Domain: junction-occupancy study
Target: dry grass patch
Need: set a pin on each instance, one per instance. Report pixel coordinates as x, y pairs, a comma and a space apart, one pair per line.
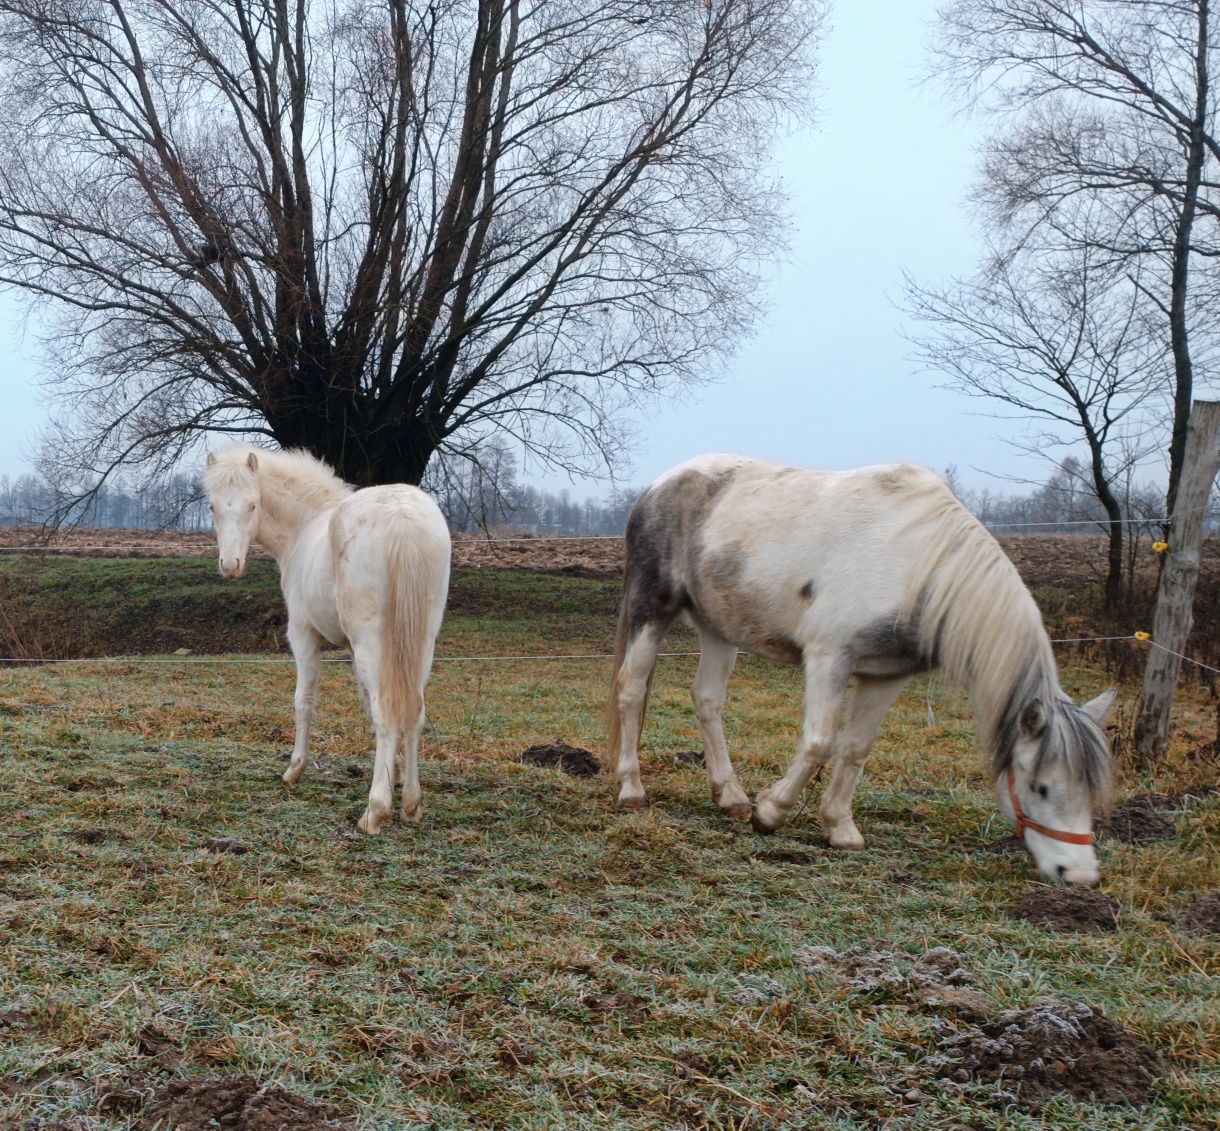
529, 956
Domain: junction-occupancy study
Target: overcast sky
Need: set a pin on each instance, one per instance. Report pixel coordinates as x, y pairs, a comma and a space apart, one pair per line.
878, 186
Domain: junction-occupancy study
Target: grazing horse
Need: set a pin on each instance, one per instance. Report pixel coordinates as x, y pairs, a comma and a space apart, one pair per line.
878, 573
366, 568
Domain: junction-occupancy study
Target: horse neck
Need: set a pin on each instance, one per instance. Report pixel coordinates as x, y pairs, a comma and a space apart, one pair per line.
1016, 667
987, 633
287, 507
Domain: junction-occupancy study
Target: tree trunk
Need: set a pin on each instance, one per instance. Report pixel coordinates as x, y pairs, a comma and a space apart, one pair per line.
1175, 593
1179, 334
1105, 495
1114, 570
1114, 513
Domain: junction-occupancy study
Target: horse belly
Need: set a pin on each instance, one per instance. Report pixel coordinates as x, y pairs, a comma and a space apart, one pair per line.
760, 622
309, 585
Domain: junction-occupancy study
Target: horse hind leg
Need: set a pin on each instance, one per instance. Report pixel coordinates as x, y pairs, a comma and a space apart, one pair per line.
388, 740
381, 793
717, 658
630, 696
408, 768
869, 703
826, 678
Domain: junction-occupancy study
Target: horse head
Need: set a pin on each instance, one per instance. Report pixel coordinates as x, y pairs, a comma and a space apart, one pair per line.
235, 496
1058, 771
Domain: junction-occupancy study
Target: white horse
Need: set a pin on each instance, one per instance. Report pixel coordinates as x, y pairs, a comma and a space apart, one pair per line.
366, 568
878, 573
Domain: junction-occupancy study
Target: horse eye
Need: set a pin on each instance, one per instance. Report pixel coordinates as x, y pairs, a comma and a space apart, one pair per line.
1040, 790
253, 505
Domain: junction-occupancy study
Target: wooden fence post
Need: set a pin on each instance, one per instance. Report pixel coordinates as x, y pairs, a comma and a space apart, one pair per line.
1176, 592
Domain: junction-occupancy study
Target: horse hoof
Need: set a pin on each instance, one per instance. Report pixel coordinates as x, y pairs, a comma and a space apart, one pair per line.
842, 834
414, 816
291, 776
851, 842
741, 812
767, 816
630, 804
371, 827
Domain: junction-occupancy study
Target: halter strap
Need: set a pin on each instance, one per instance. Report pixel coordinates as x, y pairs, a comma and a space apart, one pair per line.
1023, 822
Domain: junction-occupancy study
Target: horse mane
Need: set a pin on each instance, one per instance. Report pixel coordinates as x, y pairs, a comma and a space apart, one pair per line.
977, 619
297, 481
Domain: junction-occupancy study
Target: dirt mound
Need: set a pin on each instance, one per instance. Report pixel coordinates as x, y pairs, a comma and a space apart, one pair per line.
238, 1103
1176, 802
1069, 909
1136, 820
1003, 846
935, 980
1204, 914
570, 759
221, 844
1053, 1047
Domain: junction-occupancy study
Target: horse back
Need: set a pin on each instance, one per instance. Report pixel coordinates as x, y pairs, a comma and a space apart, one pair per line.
771, 558
370, 523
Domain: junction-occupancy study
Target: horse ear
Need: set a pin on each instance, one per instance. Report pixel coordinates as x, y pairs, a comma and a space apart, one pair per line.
1033, 718
1099, 709
211, 458
252, 462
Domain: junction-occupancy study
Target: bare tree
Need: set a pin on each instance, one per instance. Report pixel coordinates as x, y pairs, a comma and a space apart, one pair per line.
377, 229
1111, 114
1060, 340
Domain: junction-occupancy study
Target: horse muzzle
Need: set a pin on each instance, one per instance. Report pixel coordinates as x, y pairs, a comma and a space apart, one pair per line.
1085, 874
232, 568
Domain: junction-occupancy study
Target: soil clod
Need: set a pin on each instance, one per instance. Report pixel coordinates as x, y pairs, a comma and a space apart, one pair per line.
1003, 846
1204, 914
570, 759
1053, 1047
239, 1103
152, 1042
1136, 820
935, 981
1068, 909
221, 844
690, 757
757, 989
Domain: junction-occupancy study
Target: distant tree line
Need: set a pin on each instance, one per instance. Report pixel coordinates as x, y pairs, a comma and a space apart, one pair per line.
173, 503
484, 494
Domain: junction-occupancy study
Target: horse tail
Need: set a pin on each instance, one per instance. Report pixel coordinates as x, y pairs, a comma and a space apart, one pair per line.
417, 567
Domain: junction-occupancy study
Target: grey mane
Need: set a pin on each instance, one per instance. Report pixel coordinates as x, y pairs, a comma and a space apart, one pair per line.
1070, 736
978, 620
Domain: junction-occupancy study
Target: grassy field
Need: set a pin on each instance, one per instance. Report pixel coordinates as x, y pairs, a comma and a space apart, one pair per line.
528, 956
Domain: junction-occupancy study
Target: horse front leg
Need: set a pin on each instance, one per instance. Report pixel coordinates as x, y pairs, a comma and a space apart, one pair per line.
306, 648
717, 658
826, 678
869, 703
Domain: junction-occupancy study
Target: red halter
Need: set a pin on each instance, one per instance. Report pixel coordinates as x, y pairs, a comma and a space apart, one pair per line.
1023, 822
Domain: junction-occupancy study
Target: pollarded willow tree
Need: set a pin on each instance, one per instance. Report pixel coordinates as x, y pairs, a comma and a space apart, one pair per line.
379, 229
